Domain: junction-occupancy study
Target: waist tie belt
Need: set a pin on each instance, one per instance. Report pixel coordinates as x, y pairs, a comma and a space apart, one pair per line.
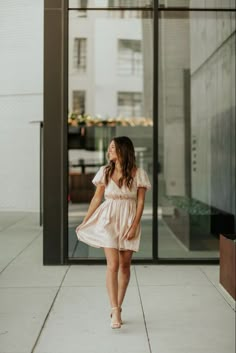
120, 197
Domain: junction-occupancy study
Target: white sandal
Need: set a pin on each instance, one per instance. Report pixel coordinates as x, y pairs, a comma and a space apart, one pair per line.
115, 324
121, 321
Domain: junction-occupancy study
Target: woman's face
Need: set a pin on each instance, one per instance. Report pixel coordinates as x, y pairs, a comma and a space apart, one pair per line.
112, 152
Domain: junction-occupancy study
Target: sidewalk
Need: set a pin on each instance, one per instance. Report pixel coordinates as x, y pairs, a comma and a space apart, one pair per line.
64, 309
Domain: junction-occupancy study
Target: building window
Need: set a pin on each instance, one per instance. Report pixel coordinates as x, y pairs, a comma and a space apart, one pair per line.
80, 53
130, 61
82, 4
130, 104
79, 102
128, 3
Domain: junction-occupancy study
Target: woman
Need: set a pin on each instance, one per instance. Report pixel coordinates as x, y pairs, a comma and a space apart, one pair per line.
115, 223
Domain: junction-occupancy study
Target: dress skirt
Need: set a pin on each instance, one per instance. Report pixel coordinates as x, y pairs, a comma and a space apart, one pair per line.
110, 222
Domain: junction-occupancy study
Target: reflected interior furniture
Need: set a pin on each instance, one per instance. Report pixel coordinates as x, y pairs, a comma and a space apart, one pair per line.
90, 138
96, 138
76, 137
198, 225
83, 166
228, 263
81, 189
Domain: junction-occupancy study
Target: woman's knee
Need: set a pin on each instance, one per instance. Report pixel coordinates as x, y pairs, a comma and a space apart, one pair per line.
113, 266
125, 267
112, 257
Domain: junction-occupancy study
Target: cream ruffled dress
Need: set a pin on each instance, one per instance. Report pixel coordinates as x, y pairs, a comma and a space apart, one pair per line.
112, 219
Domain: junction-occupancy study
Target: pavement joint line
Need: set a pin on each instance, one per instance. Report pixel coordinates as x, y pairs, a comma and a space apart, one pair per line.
28, 287
144, 318
12, 224
49, 311
9, 263
217, 289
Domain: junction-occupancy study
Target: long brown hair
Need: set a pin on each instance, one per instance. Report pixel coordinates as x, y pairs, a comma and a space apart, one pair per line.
125, 152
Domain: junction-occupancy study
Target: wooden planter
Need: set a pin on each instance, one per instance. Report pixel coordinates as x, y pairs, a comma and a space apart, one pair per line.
228, 264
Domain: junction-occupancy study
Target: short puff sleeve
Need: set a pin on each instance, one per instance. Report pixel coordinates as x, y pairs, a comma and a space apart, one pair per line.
142, 179
99, 178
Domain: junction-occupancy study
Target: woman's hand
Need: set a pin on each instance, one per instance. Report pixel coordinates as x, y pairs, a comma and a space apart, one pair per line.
79, 226
95, 202
130, 234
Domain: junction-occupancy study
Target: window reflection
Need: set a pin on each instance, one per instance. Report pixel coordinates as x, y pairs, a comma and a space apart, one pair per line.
80, 54
79, 102
109, 3
130, 61
196, 132
110, 94
129, 104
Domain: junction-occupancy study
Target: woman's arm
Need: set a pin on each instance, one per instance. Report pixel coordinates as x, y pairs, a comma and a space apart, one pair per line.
139, 211
95, 202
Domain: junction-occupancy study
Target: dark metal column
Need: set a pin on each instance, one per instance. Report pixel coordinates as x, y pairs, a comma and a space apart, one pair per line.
40, 123
155, 132
55, 132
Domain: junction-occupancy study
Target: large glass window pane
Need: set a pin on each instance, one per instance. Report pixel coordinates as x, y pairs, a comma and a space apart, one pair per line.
196, 132
110, 94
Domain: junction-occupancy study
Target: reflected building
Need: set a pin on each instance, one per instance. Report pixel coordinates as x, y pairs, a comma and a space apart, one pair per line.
110, 78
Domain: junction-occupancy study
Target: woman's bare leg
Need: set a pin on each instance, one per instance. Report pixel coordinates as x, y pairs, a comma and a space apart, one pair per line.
124, 274
112, 257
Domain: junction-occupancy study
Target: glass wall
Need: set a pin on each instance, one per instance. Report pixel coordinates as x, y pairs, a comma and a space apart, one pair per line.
110, 94
196, 124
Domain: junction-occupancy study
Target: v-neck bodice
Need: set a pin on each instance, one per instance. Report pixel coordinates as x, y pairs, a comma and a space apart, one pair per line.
112, 190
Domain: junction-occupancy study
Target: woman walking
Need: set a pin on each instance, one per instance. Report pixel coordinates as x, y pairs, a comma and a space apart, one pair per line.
114, 224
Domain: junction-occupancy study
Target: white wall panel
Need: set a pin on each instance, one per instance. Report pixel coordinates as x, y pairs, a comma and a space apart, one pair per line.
21, 101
